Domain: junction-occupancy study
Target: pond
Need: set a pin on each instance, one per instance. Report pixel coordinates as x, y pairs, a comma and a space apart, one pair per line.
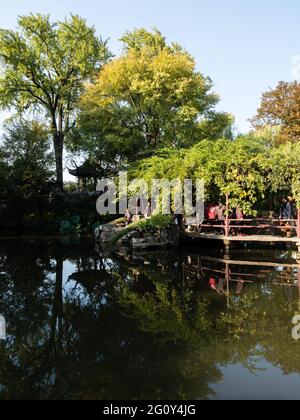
80, 322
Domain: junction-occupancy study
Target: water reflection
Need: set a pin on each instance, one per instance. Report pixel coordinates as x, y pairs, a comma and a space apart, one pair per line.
91, 325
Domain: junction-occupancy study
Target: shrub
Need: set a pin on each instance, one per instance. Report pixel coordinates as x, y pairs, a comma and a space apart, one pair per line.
146, 225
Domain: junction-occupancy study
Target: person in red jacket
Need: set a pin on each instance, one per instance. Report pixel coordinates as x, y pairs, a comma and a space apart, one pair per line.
211, 212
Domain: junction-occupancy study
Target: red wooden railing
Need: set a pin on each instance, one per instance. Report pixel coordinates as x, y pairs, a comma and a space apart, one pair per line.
258, 223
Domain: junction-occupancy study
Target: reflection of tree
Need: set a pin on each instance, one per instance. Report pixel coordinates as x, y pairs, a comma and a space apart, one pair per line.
260, 325
129, 330
165, 313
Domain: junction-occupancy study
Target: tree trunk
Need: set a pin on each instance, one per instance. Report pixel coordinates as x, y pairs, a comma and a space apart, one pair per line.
58, 140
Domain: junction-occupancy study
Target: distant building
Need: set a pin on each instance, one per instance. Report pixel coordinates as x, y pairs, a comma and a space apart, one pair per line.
84, 173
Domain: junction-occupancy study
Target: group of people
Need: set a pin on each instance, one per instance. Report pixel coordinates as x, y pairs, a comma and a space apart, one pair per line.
287, 215
219, 285
218, 212
287, 209
130, 218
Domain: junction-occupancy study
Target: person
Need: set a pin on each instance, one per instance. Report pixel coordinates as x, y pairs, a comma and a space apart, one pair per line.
287, 214
221, 216
147, 211
239, 214
221, 212
128, 217
240, 285
239, 217
290, 209
212, 283
212, 212
283, 209
221, 287
290, 215
178, 220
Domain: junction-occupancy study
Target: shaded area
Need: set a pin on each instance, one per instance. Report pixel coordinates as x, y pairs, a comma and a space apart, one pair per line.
84, 324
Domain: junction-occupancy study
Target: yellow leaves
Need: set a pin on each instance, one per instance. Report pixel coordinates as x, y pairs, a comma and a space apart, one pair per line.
142, 73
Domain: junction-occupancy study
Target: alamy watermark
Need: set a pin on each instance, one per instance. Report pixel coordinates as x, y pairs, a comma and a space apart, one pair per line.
161, 195
296, 329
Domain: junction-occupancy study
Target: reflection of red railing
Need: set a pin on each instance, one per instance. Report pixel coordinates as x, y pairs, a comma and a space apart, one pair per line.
242, 278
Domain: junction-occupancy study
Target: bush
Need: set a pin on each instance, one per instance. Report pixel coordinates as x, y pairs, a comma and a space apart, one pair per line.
146, 225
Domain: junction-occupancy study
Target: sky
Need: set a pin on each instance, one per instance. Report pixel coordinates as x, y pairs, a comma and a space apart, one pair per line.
245, 47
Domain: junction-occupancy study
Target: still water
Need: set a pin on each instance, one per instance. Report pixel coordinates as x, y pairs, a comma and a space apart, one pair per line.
83, 323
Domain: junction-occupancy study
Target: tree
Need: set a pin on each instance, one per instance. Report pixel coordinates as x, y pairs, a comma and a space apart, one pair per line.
280, 109
151, 97
27, 156
234, 167
46, 65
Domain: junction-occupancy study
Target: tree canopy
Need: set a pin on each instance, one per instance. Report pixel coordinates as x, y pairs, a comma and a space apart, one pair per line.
150, 97
280, 109
46, 65
150, 110
26, 156
247, 168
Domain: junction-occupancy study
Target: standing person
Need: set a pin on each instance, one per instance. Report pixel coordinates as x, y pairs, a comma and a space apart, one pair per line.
290, 208
283, 209
221, 212
290, 215
221, 215
239, 215
212, 283
178, 220
148, 211
128, 217
240, 285
212, 212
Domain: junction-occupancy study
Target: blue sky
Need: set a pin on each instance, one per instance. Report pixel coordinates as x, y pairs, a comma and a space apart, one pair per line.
244, 46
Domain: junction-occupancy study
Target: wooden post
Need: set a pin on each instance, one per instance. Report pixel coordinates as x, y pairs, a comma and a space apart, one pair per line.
299, 284
227, 217
227, 228
298, 225
298, 234
227, 276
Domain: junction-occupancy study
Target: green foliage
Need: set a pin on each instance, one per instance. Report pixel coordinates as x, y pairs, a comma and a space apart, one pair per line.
46, 65
26, 154
246, 168
234, 167
171, 318
152, 225
150, 97
157, 222
71, 226
284, 171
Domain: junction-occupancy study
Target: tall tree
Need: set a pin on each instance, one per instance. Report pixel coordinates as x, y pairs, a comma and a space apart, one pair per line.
152, 96
280, 109
46, 65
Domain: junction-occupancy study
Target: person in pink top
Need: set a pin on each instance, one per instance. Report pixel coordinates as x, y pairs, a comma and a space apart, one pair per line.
240, 217
211, 212
239, 214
